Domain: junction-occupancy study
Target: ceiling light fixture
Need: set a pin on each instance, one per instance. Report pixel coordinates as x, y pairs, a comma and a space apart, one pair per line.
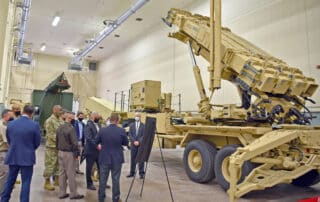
43, 47
55, 21
108, 22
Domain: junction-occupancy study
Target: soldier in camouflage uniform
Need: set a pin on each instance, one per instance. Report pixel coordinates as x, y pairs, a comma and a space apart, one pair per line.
51, 152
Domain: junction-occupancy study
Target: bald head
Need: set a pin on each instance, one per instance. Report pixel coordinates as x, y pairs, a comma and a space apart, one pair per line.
57, 110
69, 117
94, 115
16, 109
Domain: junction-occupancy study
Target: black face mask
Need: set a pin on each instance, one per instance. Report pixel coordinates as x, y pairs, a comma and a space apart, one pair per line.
72, 121
17, 113
80, 119
11, 119
96, 120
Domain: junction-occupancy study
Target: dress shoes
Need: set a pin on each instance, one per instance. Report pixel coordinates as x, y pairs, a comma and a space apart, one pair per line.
91, 187
79, 172
130, 175
64, 196
77, 197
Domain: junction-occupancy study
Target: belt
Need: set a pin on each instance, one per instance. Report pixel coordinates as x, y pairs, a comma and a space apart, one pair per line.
65, 150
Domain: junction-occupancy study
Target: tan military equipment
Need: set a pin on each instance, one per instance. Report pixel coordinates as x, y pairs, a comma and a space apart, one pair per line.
265, 141
145, 95
103, 107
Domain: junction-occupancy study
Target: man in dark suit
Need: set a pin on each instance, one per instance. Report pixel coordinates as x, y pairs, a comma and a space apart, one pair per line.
91, 152
136, 130
23, 137
111, 157
79, 127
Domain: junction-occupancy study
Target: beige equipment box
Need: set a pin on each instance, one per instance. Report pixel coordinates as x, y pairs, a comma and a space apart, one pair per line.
145, 95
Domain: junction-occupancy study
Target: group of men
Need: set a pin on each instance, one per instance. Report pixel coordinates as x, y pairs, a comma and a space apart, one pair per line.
66, 137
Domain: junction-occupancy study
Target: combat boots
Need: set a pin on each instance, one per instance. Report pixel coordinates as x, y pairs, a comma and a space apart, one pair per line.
56, 181
47, 185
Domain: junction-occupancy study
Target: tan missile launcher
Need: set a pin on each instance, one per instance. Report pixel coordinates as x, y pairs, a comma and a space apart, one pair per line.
267, 140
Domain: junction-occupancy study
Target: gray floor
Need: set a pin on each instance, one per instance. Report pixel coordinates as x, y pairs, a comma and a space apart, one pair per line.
156, 188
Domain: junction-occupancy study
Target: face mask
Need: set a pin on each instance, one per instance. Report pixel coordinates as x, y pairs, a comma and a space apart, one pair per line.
137, 118
96, 120
17, 113
72, 121
11, 119
80, 119
108, 123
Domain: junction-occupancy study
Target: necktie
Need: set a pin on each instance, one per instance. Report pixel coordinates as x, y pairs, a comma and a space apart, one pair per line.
137, 128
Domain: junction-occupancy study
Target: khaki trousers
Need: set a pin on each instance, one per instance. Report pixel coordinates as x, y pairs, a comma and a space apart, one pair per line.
67, 172
77, 161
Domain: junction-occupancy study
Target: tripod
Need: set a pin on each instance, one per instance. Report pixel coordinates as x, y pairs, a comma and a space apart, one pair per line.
145, 174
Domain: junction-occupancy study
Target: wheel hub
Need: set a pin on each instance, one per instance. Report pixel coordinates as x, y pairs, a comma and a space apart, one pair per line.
225, 169
195, 160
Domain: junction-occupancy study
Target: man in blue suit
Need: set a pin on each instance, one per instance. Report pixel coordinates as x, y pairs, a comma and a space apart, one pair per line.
23, 136
111, 157
136, 130
79, 127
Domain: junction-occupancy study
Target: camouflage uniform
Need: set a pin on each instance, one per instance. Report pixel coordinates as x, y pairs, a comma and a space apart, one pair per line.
4, 169
51, 152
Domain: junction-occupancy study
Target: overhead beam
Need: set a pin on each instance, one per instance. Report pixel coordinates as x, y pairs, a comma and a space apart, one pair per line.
107, 31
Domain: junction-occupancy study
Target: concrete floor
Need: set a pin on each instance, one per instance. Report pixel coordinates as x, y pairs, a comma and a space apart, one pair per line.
156, 188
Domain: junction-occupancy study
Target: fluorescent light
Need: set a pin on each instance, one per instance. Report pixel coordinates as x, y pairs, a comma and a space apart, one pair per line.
55, 21
43, 47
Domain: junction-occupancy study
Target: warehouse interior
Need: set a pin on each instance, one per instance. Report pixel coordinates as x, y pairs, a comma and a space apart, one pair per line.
140, 49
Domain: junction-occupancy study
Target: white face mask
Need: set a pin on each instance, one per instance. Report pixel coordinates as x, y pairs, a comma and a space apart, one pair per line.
108, 123
137, 118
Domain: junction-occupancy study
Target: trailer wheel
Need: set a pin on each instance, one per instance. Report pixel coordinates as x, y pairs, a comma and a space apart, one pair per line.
198, 161
221, 166
310, 178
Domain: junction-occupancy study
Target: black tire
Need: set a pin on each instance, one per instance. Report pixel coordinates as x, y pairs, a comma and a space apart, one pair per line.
223, 153
310, 178
207, 152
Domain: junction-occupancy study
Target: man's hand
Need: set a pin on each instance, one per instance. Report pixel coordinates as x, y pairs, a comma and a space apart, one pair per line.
136, 143
99, 147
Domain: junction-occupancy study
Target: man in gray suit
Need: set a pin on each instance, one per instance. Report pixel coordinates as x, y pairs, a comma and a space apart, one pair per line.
136, 130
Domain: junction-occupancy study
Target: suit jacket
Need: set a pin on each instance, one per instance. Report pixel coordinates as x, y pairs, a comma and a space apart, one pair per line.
76, 126
112, 138
90, 133
136, 136
23, 137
